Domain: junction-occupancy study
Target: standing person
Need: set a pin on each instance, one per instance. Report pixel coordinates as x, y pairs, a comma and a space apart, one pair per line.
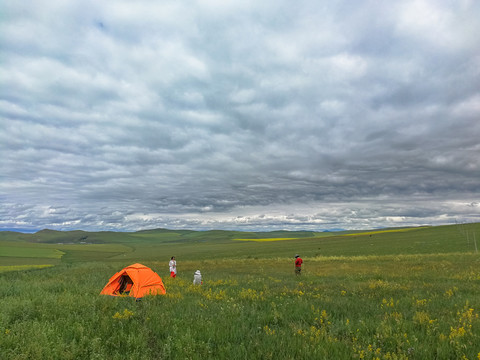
173, 267
197, 278
298, 264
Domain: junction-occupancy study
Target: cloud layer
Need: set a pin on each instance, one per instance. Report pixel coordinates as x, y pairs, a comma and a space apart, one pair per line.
239, 115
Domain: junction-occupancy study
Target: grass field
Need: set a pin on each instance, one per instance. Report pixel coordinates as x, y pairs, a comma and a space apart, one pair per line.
11, 251
390, 295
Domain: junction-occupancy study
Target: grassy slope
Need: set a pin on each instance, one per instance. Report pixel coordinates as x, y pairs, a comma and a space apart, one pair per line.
443, 239
161, 244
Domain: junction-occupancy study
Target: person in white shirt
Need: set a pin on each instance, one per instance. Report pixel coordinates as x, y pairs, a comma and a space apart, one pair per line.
173, 267
197, 278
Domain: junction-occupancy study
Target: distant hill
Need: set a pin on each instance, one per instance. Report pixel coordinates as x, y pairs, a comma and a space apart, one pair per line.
159, 235
44, 247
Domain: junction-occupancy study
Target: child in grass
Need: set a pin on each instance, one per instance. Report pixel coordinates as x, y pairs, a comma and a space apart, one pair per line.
197, 278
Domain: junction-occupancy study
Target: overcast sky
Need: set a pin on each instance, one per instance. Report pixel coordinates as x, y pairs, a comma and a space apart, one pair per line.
250, 115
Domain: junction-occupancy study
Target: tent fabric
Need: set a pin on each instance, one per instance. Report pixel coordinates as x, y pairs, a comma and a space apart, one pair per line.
145, 282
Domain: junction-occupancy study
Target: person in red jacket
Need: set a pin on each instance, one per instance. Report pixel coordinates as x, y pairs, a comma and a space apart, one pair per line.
298, 264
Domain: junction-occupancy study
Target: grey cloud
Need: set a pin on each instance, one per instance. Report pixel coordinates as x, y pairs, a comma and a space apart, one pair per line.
121, 115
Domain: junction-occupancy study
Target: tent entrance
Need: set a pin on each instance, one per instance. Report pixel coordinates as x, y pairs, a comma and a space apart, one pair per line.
125, 285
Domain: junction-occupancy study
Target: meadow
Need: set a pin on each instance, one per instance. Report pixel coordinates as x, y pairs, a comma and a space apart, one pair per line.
373, 295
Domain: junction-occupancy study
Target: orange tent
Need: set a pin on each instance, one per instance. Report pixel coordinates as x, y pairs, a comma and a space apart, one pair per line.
136, 280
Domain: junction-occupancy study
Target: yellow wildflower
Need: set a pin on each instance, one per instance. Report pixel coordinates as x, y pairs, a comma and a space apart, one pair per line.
125, 315
421, 302
268, 331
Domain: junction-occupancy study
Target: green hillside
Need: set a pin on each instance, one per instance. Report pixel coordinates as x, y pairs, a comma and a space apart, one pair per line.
160, 244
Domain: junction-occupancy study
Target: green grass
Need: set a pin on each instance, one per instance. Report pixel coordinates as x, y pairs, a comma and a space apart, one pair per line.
23, 267
390, 295
21, 252
390, 307
11, 251
376, 232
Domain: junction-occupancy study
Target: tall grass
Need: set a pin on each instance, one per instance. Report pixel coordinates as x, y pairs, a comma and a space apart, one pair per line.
378, 307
